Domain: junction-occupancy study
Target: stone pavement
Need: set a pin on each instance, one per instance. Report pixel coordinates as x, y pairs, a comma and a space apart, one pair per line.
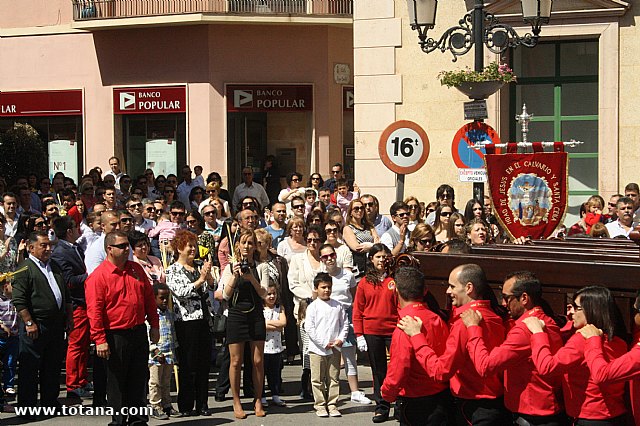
297, 412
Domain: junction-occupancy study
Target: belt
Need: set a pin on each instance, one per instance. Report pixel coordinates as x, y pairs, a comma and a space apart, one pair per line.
128, 330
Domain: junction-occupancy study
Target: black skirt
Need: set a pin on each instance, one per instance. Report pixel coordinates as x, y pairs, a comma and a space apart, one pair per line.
246, 322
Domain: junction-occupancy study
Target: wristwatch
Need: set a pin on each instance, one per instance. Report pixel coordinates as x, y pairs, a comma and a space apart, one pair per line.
28, 323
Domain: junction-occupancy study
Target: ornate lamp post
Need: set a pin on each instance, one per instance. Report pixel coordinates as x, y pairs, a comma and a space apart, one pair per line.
476, 29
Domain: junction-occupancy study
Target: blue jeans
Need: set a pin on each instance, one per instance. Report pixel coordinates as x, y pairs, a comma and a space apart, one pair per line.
9, 346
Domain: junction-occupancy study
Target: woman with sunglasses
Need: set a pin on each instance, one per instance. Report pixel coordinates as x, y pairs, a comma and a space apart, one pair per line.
456, 227
169, 193
414, 212
245, 283
158, 187
294, 189
315, 182
375, 315
422, 238
443, 213
344, 257
343, 292
587, 402
189, 283
359, 234
196, 196
294, 242
302, 270
141, 245
195, 223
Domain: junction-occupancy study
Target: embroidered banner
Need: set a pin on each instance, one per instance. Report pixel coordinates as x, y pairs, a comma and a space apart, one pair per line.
529, 191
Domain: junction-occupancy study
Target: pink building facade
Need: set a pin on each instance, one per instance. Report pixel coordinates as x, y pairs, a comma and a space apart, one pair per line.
219, 89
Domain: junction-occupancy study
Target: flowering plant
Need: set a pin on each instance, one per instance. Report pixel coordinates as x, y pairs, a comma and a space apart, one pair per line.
492, 72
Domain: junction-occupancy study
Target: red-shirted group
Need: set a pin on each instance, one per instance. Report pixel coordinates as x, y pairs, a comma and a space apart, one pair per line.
157, 277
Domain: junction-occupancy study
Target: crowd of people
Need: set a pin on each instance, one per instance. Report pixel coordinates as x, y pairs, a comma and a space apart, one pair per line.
149, 277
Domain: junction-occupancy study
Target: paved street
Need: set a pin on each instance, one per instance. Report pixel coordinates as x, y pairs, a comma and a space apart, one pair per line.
297, 412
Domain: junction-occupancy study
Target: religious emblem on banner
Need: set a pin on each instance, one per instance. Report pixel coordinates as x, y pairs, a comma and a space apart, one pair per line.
529, 191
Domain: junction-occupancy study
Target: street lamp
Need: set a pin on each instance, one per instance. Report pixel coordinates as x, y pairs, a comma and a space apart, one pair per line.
477, 28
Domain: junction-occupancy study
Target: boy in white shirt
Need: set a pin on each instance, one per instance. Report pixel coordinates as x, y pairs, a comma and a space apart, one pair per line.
327, 327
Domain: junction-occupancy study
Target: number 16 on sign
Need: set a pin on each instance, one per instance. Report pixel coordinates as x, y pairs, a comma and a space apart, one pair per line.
404, 149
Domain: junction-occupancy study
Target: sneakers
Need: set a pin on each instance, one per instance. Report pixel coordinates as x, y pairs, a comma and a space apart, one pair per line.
335, 413
78, 393
322, 412
160, 415
10, 391
360, 398
169, 411
88, 386
265, 404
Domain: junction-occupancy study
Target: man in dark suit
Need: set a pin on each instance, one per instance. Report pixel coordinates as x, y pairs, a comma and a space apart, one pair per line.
43, 303
70, 259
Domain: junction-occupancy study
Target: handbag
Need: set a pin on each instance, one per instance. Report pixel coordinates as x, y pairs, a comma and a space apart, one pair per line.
219, 323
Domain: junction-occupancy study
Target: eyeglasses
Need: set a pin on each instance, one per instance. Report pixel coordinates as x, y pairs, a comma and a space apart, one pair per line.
507, 298
209, 213
329, 256
412, 206
313, 240
135, 205
331, 230
126, 220
445, 214
177, 213
298, 206
576, 307
357, 208
120, 246
405, 214
425, 241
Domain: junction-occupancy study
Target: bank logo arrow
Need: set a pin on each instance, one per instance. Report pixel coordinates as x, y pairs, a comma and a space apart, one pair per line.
243, 98
349, 100
127, 101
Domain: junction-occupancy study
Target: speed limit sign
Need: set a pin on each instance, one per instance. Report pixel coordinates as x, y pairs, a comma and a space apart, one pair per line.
404, 147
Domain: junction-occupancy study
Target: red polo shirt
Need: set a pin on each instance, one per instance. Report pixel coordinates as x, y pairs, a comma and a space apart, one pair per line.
525, 391
583, 398
119, 299
405, 376
455, 365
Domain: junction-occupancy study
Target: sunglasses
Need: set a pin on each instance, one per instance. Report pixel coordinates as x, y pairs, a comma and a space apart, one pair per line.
120, 246
402, 214
150, 209
429, 211
445, 214
126, 220
211, 191
326, 257
425, 242
192, 222
39, 224
315, 178
357, 208
298, 206
336, 171
612, 204
313, 240
169, 191
331, 230
177, 213
210, 213
576, 307
445, 196
135, 205
413, 206
160, 181
369, 204
295, 180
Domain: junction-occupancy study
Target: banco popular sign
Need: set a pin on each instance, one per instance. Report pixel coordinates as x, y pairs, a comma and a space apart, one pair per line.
269, 98
150, 100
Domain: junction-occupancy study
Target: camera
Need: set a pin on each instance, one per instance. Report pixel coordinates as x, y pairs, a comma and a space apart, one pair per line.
244, 266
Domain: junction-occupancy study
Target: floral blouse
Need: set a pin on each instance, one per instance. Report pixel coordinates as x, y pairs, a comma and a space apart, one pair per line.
8, 256
187, 301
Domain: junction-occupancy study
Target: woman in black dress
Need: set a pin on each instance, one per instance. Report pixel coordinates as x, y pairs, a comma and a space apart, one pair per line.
245, 284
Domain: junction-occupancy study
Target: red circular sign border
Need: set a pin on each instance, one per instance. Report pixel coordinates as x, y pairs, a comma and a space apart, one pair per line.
382, 147
454, 152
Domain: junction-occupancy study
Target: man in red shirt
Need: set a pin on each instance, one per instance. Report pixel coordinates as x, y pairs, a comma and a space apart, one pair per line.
478, 400
532, 399
421, 400
119, 300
